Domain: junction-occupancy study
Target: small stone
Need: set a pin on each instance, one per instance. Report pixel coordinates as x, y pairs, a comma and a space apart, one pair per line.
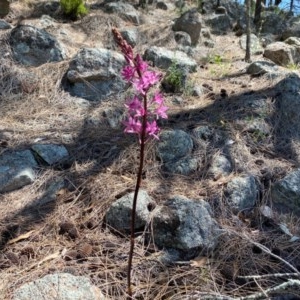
71, 255
161, 5
220, 166
197, 91
183, 38
85, 250
242, 193
62, 286
16, 170
209, 43
69, 228
51, 153
13, 258
118, 215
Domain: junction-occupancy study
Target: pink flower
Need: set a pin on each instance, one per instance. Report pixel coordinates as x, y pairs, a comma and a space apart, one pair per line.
147, 80
157, 98
151, 77
152, 129
137, 73
133, 125
128, 73
135, 106
141, 65
161, 111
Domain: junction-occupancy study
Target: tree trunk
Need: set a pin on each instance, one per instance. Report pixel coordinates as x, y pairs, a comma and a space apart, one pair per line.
257, 14
248, 28
291, 5
218, 3
4, 8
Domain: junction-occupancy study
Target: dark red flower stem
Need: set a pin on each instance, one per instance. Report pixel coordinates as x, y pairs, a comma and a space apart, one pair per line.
128, 53
136, 191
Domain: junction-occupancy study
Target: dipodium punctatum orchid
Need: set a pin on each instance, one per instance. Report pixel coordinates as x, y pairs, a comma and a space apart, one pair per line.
143, 111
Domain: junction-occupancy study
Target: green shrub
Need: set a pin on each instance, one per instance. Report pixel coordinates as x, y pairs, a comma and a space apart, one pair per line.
174, 81
74, 8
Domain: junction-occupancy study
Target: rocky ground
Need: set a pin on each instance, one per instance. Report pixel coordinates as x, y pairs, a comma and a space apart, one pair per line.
219, 206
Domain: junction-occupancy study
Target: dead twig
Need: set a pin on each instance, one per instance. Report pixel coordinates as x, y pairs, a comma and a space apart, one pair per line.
255, 296
276, 275
268, 251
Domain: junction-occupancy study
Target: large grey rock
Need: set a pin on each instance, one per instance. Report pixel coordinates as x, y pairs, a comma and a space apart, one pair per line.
125, 10
242, 193
34, 47
61, 286
164, 58
51, 153
118, 215
287, 118
173, 145
183, 166
262, 67
255, 46
94, 74
185, 225
273, 23
189, 22
219, 24
286, 193
234, 9
114, 118
293, 30
257, 126
294, 41
16, 170
281, 53
4, 24
174, 149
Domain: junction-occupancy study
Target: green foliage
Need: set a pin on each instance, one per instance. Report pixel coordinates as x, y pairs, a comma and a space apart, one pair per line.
216, 59
293, 67
73, 8
174, 79
200, 5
